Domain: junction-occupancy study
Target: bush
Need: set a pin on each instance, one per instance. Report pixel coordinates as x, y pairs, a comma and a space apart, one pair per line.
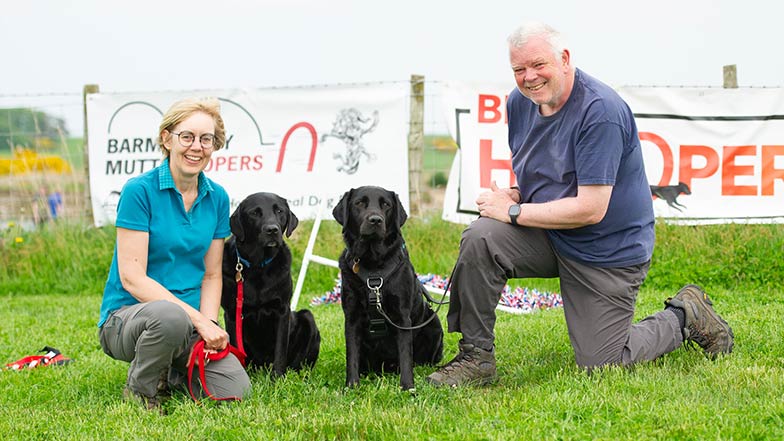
438, 180
718, 256
59, 258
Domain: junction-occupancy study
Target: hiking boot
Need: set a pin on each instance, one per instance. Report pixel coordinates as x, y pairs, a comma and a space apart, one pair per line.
163, 389
472, 365
149, 403
703, 326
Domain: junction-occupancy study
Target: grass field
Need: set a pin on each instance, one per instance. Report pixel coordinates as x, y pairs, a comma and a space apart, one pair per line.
50, 284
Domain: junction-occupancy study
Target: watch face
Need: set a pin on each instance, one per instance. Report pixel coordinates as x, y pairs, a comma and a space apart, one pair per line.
514, 211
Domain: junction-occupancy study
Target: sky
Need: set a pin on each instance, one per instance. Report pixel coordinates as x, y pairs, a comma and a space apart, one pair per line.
53, 47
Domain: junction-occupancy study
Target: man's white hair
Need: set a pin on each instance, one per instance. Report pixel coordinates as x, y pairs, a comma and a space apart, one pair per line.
522, 34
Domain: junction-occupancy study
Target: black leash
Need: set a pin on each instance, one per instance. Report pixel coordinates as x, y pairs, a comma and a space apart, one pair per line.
376, 290
374, 284
443, 296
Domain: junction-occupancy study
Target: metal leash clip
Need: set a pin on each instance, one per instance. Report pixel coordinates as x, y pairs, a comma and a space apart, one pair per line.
238, 276
376, 289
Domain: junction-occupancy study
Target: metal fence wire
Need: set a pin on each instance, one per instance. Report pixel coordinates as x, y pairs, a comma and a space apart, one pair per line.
43, 157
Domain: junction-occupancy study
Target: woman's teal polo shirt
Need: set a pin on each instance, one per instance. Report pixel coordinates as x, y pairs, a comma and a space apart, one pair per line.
178, 240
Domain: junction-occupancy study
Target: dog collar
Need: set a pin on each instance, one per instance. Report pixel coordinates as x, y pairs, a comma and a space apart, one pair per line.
355, 267
245, 263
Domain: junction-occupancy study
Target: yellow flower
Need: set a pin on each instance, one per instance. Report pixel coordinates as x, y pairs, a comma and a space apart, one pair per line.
11, 224
18, 239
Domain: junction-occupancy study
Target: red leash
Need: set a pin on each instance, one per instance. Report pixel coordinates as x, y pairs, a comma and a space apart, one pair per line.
238, 313
200, 358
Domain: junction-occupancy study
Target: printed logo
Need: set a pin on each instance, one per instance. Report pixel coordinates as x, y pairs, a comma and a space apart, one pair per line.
350, 126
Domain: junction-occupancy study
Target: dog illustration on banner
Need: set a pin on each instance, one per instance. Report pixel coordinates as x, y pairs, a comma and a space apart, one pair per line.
350, 126
670, 193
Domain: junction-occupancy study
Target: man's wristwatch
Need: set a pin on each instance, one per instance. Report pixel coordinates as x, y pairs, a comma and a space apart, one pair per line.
514, 211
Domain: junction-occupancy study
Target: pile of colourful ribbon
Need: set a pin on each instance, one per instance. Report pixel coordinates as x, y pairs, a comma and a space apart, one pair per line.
523, 298
329, 296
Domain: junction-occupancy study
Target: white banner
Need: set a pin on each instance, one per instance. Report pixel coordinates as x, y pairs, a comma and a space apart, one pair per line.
717, 153
309, 145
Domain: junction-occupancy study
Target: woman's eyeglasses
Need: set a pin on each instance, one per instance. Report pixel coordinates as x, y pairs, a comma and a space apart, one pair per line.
186, 139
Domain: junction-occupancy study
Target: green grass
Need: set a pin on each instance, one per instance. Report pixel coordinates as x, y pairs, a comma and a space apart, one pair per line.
50, 285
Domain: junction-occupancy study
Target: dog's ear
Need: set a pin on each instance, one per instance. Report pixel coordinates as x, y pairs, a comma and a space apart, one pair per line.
402, 216
292, 221
341, 210
236, 224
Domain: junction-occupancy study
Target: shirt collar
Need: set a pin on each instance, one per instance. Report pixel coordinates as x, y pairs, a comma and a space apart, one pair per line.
167, 180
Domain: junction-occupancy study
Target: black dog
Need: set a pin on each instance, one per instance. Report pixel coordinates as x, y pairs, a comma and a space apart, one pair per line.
272, 334
388, 325
670, 193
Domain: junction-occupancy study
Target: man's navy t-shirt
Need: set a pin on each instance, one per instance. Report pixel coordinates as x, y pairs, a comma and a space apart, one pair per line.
592, 140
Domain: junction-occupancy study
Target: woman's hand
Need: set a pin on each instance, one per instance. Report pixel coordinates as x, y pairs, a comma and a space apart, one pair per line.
215, 338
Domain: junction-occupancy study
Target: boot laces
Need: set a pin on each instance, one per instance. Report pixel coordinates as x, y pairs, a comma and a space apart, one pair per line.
462, 358
699, 337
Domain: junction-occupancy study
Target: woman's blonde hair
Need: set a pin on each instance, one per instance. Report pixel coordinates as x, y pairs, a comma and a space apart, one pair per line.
183, 109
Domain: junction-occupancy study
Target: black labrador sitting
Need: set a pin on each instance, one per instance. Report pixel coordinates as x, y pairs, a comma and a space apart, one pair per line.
380, 294
272, 334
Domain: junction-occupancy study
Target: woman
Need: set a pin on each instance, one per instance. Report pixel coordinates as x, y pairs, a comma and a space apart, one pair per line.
164, 286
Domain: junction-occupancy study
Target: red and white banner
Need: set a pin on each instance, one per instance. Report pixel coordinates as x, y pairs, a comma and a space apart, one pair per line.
719, 151
309, 145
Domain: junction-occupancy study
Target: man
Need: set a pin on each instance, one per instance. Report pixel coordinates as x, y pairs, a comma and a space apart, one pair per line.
582, 212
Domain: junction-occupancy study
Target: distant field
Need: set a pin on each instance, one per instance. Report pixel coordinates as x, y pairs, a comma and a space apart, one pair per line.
71, 150
437, 158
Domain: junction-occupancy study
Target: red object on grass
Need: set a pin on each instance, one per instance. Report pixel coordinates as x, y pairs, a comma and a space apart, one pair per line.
53, 357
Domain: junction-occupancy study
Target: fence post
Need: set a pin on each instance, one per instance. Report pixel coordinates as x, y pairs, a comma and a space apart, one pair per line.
416, 142
730, 76
88, 210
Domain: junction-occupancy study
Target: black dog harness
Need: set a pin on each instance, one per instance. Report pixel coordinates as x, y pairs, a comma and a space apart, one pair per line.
374, 281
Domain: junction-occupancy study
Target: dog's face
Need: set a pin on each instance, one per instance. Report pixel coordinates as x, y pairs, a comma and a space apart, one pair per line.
370, 213
683, 188
259, 222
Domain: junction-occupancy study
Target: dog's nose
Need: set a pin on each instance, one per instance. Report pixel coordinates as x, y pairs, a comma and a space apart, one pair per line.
271, 229
375, 219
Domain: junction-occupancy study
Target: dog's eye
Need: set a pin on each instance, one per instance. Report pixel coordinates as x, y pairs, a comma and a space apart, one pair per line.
278, 210
385, 204
360, 203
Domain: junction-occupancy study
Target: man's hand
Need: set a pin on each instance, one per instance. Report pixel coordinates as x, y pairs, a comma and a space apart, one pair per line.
496, 202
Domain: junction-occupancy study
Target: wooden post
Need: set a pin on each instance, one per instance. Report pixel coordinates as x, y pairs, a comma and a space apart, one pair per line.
88, 209
730, 76
416, 142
